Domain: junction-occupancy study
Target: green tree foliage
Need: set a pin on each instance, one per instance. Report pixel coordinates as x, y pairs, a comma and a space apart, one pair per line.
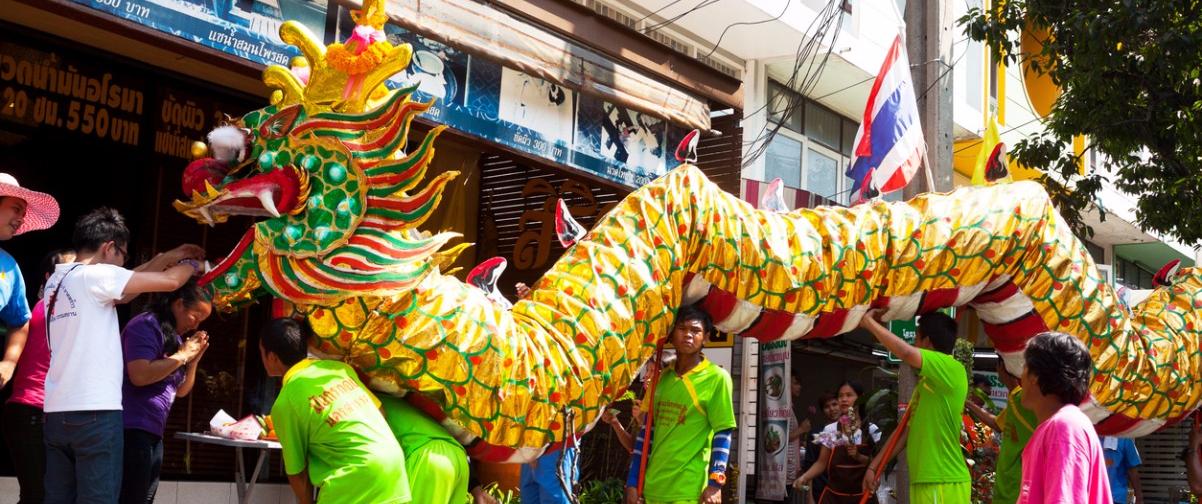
1131, 75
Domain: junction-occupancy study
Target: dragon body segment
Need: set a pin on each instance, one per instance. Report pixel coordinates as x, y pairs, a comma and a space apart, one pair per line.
341, 203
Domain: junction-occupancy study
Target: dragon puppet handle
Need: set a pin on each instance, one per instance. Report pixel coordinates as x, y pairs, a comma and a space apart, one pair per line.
339, 200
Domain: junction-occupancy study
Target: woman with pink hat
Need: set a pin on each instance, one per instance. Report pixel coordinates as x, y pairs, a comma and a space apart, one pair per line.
21, 211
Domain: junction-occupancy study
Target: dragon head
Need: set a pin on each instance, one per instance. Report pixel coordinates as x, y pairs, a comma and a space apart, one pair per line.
323, 167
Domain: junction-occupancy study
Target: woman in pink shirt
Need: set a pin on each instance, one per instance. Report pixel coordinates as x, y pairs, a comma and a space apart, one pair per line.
1063, 462
23, 411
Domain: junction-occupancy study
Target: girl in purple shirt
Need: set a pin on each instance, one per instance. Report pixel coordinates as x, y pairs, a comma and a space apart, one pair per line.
159, 366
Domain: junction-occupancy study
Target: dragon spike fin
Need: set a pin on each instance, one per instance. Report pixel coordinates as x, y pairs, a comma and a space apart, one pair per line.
403, 174
401, 211
444, 258
686, 152
567, 230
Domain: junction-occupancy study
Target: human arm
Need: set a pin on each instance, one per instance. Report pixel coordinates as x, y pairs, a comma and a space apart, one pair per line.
1133, 480
815, 470
301, 488
12, 352
719, 456
624, 438
879, 462
984, 416
906, 352
185, 388
143, 372
1193, 463
164, 273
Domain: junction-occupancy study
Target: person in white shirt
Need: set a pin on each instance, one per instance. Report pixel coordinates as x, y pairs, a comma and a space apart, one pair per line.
83, 423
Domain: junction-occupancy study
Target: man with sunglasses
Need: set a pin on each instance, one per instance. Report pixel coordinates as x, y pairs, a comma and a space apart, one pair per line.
83, 425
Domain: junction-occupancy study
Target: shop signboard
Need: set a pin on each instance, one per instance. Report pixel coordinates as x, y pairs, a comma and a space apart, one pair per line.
773, 433
247, 29
474, 95
537, 117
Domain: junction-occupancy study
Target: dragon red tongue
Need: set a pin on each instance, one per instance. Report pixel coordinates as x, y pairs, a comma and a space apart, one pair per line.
200, 171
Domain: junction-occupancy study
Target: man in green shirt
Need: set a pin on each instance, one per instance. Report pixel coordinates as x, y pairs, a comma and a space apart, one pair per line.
333, 435
1016, 423
431, 454
938, 472
693, 421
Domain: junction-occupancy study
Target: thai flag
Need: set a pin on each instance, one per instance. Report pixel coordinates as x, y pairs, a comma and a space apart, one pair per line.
889, 145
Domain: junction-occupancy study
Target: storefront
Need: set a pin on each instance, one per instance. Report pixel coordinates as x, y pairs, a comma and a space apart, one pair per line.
103, 100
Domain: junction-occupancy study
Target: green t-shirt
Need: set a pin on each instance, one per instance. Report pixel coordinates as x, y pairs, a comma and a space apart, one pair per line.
684, 427
330, 424
933, 448
410, 426
1017, 424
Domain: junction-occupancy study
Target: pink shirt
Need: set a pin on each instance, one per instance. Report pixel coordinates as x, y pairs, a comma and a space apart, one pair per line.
1063, 462
30, 377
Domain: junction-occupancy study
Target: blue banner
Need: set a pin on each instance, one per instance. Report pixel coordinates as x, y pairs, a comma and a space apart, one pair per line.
537, 117
247, 29
474, 95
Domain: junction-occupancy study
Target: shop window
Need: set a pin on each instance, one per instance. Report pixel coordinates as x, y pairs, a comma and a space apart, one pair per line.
823, 125
784, 106
783, 159
822, 175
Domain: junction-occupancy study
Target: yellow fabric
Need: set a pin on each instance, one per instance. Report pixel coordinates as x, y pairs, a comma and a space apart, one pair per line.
460, 200
988, 144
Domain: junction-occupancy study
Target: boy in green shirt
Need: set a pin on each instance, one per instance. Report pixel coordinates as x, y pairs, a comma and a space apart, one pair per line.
431, 454
938, 472
1016, 423
333, 435
693, 421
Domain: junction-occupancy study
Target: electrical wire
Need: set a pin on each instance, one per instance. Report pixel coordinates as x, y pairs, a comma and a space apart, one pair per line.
745, 23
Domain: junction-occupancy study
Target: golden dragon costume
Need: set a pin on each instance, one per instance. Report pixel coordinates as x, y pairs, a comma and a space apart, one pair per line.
341, 208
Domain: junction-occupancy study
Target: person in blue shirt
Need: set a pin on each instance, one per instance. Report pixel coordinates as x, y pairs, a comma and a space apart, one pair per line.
21, 211
1122, 462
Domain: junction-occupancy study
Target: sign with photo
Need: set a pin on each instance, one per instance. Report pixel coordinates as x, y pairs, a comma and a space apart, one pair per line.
777, 410
247, 29
485, 99
473, 95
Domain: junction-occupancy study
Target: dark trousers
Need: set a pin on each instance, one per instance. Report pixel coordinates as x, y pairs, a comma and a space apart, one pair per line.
23, 436
143, 460
83, 456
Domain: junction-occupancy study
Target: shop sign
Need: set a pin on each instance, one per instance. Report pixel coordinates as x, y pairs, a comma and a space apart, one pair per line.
47, 88
773, 433
537, 117
248, 30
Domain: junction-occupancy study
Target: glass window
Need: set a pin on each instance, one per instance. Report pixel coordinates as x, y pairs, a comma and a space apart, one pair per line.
822, 175
849, 138
823, 125
779, 100
783, 159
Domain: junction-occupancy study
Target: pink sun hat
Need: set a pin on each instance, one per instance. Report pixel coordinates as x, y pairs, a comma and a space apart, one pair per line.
41, 209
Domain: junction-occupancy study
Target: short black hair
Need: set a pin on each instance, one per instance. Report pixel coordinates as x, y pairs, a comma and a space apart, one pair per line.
288, 339
1061, 365
825, 398
98, 226
940, 329
693, 312
979, 379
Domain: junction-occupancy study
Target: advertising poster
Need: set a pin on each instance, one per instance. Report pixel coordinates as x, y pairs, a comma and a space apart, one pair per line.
247, 29
776, 410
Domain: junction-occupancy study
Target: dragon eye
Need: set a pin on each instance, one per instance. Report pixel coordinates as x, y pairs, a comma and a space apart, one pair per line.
280, 124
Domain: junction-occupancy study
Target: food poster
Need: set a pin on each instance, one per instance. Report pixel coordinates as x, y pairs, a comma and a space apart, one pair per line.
773, 432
